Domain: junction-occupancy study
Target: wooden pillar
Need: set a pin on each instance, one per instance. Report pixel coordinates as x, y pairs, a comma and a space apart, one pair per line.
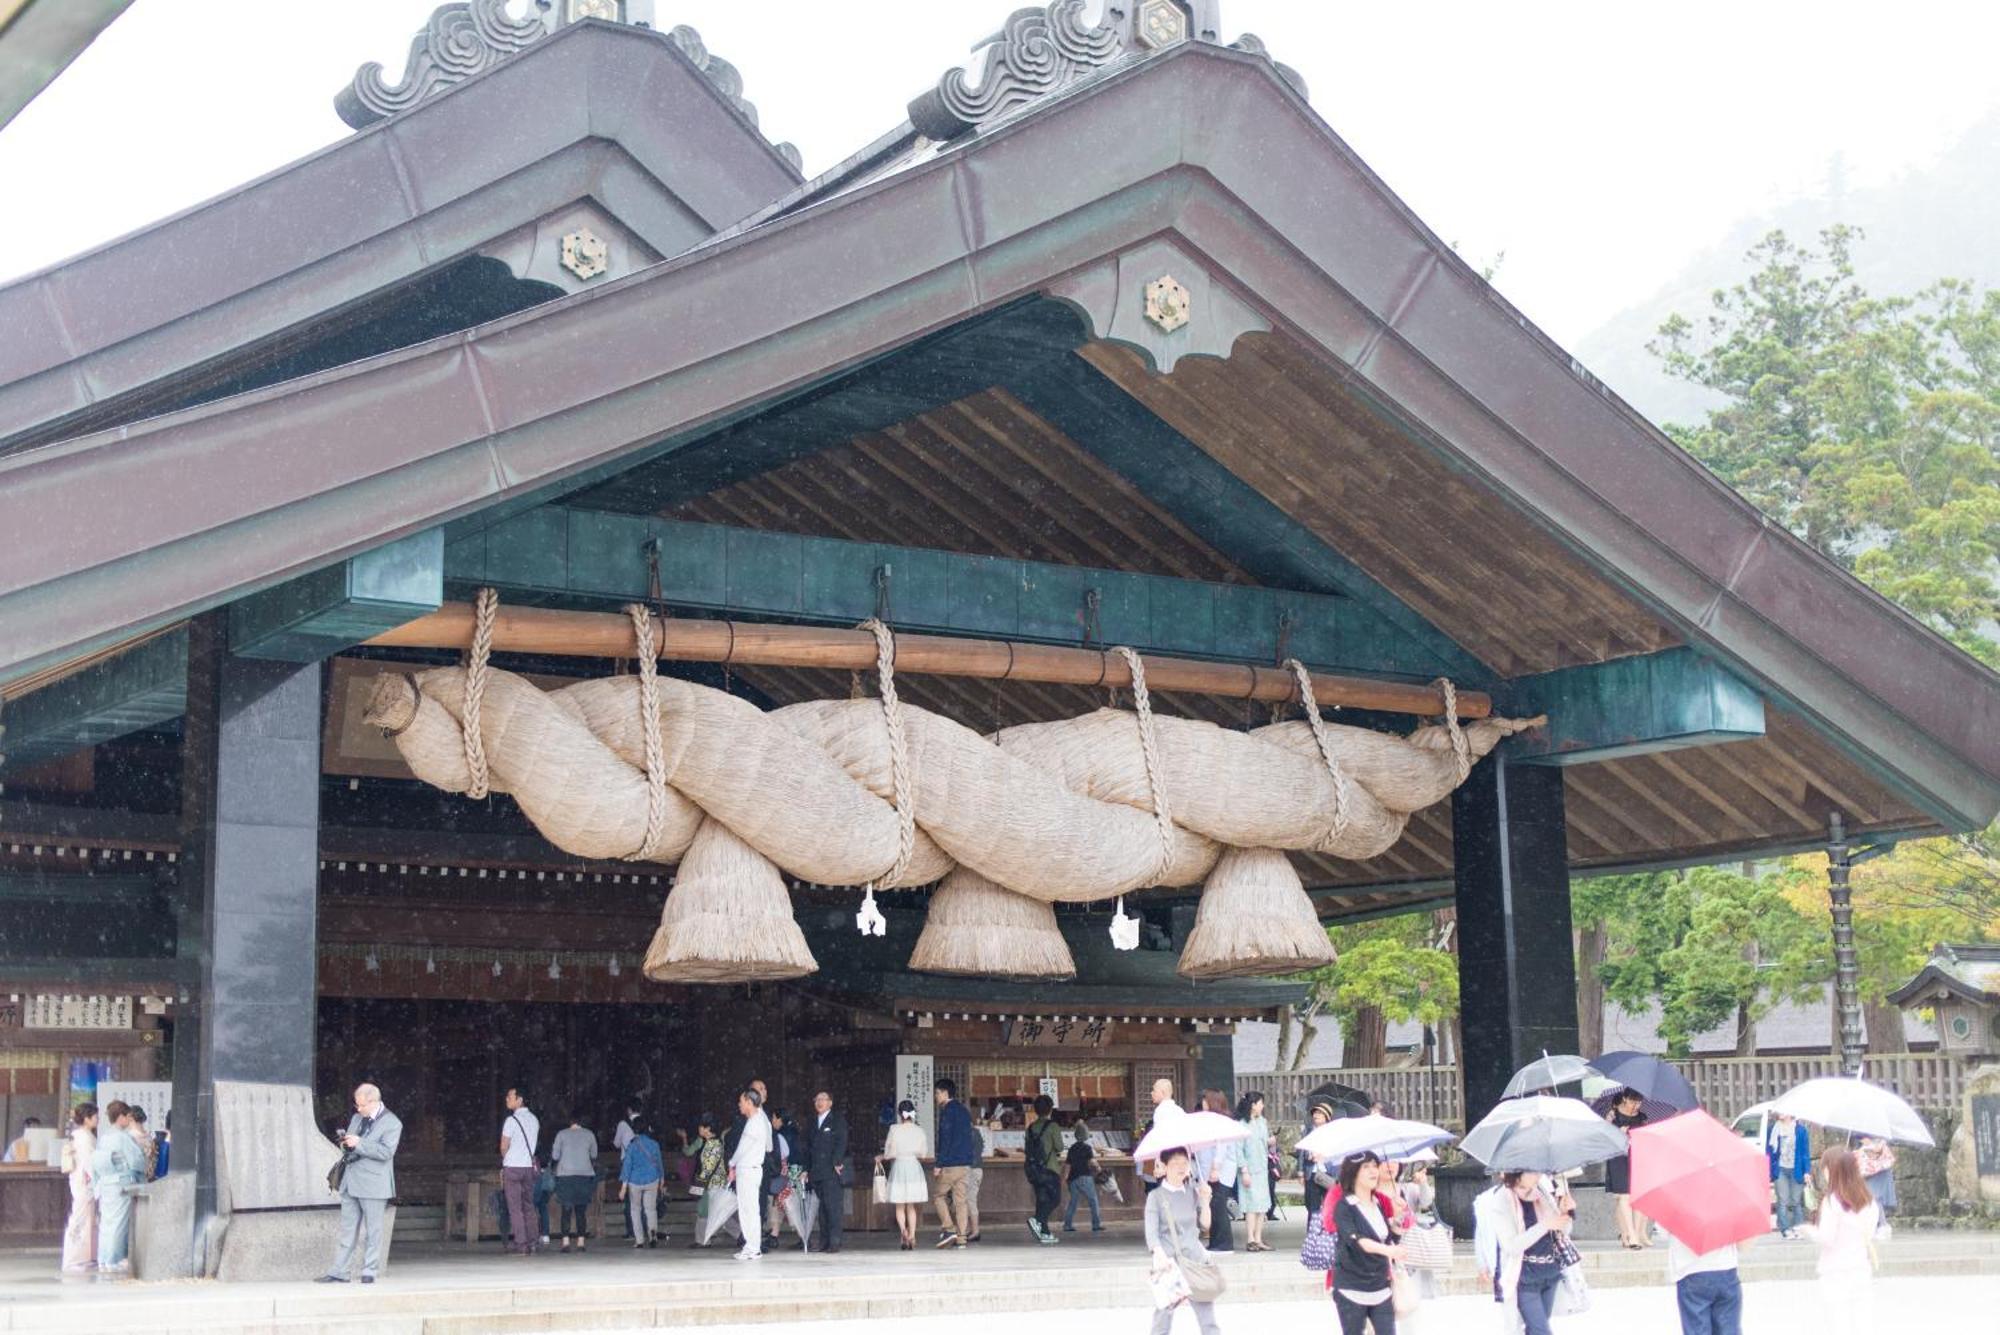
1516, 966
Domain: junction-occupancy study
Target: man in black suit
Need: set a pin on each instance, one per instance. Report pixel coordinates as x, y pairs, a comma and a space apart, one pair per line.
826, 1168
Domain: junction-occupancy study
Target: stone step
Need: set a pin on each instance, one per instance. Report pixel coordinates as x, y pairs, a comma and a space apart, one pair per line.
783, 1288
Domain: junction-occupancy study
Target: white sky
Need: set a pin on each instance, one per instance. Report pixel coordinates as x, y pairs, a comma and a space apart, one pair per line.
1598, 145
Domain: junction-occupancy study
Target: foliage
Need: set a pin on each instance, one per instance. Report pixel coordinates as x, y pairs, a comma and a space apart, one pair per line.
1869, 426
1709, 945
1391, 967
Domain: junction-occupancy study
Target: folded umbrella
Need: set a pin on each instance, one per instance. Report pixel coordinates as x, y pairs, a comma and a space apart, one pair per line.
1700, 1181
1385, 1136
1187, 1131
1543, 1134
1546, 1072
721, 1211
1853, 1104
1660, 1084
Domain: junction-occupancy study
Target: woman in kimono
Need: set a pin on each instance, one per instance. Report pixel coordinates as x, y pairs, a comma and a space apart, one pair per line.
117, 1166
1253, 1191
80, 1238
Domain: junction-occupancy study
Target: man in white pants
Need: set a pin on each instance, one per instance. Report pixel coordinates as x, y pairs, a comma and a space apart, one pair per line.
746, 1173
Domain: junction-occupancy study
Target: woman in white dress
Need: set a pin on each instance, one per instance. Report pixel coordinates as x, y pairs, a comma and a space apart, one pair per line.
1845, 1231
904, 1152
80, 1238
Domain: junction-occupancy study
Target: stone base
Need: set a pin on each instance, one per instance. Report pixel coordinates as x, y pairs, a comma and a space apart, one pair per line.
163, 1228
288, 1244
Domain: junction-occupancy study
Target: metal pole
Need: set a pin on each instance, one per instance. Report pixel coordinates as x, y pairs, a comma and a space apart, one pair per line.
1846, 963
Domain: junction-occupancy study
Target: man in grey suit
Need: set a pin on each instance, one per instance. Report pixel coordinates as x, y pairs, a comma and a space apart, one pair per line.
371, 1141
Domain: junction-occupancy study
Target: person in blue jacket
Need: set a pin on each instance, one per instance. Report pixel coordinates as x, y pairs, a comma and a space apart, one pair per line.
1788, 1149
956, 1155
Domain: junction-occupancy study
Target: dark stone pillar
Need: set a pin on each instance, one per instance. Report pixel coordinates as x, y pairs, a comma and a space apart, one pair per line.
249, 877
1516, 962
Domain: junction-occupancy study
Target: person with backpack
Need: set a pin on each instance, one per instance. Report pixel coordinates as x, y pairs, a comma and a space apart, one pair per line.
1044, 1167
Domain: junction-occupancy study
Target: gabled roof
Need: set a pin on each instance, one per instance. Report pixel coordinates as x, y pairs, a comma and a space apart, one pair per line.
183, 512
1971, 973
38, 40
622, 117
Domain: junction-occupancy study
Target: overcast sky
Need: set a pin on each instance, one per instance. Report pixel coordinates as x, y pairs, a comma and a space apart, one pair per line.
1597, 145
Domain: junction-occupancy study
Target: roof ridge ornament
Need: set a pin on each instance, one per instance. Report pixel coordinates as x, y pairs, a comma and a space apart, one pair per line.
1040, 50
468, 37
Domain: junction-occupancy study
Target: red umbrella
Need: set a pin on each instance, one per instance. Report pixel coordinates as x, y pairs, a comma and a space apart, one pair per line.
1705, 1185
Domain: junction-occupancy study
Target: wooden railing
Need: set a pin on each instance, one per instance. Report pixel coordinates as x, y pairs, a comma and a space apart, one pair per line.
1726, 1085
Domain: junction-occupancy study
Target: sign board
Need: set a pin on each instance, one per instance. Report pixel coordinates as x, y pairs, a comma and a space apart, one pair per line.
155, 1096
1056, 1033
1986, 1133
1048, 1085
916, 1077
49, 1011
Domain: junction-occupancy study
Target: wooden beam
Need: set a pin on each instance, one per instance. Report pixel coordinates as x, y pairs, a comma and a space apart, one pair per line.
316, 616
537, 630
596, 557
1631, 706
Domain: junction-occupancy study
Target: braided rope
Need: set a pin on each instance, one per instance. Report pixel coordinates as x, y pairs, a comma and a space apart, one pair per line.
649, 729
899, 749
1318, 724
1142, 703
484, 609
1460, 749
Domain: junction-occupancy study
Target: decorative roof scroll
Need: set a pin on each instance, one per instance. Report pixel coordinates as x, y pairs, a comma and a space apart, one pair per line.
1041, 50
470, 36
459, 41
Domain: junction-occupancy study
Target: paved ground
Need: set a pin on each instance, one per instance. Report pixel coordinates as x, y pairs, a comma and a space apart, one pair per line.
1945, 1304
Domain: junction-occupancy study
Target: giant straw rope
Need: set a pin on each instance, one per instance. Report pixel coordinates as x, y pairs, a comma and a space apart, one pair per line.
883, 794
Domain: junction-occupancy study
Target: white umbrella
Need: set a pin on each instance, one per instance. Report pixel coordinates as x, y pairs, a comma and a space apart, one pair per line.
721, 1213
1376, 1134
1546, 1072
1188, 1131
1853, 1104
1544, 1134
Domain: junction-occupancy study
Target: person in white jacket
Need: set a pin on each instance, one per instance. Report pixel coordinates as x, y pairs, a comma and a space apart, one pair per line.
1506, 1245
746, 1173
1845, 1232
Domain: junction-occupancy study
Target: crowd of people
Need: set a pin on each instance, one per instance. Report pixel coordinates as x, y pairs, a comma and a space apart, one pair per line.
107, 1152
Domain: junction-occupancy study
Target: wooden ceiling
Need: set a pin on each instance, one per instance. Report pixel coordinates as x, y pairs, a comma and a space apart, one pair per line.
987, 475
1431, 534
982, 475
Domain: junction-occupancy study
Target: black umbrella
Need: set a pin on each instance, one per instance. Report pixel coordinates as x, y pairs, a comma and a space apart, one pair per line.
1663, 1088
1345, 1100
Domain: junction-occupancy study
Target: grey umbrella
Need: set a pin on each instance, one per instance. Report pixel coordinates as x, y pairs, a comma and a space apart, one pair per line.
1546, 1135
1546, 1072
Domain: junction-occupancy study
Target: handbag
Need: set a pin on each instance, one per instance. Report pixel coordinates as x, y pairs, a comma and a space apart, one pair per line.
1316, 1252
338, 1173
1428, 1248
1403, 1290
881, 1187
1203, 1277
1572, 1295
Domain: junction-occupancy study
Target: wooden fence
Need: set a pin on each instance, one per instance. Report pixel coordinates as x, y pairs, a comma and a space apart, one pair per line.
1726, 1085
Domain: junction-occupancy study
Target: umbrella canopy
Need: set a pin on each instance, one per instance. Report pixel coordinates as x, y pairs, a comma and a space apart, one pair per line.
1704, 1184
1853, 1104
1546, 1072
1386, 1136
1345, 1100
1547, 1135
1188, 1131
1658, 1083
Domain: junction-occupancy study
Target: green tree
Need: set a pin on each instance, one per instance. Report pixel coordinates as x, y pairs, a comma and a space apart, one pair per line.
1710, 946
1389, 970
1869, 426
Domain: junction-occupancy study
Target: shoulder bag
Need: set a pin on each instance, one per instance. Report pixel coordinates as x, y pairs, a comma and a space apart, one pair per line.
338, 1173
1316, 1252
1203, 1277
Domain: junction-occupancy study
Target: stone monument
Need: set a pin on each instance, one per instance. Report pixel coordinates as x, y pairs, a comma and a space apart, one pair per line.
1972, 1168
